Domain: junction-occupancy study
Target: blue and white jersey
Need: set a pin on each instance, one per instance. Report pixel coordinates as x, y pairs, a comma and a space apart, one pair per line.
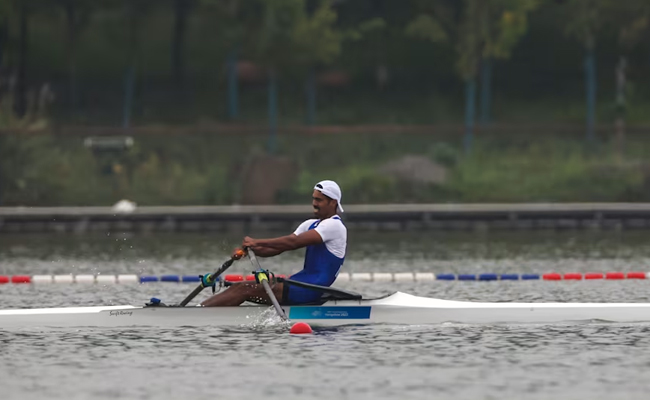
324, 260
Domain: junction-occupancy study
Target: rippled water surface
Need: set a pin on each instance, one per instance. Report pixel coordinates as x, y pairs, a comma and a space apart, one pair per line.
578, 361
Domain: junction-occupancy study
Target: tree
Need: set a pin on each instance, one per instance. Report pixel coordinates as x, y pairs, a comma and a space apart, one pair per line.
135, 12
230, 20
506, 22
374, 32
585, 19
317, 43
377, 27
480, 30
182, 9
631, 20
77, 15
287, 37
20, 89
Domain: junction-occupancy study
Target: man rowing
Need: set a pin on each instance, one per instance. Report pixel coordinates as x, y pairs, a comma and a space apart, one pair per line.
325, 238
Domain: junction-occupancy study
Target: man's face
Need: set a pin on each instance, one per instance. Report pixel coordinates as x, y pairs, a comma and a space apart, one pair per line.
323, 205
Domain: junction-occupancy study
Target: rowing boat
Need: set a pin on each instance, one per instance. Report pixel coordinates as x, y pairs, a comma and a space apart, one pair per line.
397, 308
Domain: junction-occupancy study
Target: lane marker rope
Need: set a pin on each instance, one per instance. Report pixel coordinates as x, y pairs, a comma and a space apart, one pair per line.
342, 277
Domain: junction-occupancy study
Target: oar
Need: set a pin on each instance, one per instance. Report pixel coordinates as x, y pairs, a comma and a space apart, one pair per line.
212, 277
262, 277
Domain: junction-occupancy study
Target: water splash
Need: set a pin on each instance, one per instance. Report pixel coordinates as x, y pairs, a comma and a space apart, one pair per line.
268, 318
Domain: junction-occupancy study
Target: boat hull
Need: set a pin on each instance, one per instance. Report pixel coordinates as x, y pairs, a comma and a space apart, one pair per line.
398, 308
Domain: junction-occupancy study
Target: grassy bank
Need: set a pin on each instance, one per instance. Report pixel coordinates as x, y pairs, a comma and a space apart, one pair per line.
205, 169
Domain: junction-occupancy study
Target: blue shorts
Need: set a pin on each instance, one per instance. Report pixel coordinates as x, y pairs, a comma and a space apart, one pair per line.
294, 295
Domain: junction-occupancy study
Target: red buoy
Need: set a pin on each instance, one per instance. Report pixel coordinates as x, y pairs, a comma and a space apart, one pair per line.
614, 275
4, 279
552, 277
300, 328
593, 275
234, 278
636, 275
572, 275
21, 279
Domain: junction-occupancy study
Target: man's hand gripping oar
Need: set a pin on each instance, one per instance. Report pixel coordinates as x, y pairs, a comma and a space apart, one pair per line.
262, 277
210, 280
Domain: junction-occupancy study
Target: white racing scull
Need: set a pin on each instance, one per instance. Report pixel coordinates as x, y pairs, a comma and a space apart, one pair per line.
398, 308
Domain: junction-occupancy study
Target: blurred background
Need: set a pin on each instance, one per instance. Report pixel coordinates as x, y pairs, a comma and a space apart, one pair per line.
194, 102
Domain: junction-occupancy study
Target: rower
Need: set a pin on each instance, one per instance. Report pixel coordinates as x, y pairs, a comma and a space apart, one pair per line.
325, 238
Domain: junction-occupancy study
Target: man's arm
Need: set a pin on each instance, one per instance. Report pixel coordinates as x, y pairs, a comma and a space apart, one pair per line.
275, 246
265, 251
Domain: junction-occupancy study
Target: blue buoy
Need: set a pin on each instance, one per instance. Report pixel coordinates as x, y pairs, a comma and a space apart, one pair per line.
170, 278
529, 276
144, 279
466, 277
487, 277
191, 278
446, 277
509, 277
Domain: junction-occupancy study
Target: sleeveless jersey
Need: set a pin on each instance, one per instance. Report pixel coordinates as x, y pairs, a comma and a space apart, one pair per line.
323, 261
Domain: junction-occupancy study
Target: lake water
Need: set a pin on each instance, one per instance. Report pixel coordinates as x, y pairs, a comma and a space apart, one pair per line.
567, 361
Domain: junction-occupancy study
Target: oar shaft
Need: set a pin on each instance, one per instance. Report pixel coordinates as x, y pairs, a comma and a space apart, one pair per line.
215, 275
192, 295
267, 286
275, 302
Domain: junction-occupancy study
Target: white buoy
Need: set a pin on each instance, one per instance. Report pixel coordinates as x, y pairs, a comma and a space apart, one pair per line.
124, 207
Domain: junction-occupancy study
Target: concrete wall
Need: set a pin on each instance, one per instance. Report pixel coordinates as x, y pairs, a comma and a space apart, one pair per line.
357, 217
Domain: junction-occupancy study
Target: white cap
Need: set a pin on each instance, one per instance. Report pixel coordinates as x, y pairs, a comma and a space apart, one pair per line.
332, 190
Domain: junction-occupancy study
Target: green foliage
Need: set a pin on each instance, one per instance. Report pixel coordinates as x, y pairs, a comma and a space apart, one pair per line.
482, 29
227, 20
631, 19
471, 31
630, 34
35, 170
543, 172
372, 25
445, 154
584, 19
285, 35
203, 169
419, 83
490, 29
426, 27
508, 23
316, 38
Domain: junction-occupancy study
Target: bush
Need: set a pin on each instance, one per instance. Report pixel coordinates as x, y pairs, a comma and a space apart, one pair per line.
202, 169
445, 154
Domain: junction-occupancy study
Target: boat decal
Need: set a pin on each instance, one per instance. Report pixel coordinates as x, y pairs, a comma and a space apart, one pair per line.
119, 313
323, 312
